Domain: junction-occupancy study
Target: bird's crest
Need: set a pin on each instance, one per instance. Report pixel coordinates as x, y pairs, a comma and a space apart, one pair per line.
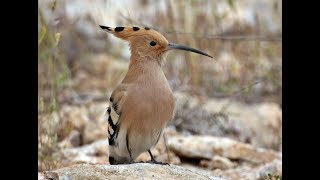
147, 42
127, 32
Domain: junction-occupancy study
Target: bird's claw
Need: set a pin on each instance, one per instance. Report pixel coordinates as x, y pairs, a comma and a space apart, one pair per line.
156, 162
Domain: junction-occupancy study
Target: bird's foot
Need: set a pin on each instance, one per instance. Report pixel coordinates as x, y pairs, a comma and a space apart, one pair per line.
157, 162
153, 161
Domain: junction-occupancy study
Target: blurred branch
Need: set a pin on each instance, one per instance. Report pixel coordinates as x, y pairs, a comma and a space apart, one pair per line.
228, 37
245, 88
210, 36
165, 143
234, 94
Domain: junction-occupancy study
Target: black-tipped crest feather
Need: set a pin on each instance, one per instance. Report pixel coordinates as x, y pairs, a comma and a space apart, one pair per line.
118, 29
105, 28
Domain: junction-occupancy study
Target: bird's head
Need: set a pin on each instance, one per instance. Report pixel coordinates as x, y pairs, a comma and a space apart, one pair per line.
146, 43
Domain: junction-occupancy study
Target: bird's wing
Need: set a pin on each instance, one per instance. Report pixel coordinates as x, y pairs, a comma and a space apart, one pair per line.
114, 112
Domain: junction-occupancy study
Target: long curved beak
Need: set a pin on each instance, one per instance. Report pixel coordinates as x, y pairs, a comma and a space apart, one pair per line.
186, 48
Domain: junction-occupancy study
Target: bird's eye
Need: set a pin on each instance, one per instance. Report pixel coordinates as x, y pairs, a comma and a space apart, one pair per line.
152, 43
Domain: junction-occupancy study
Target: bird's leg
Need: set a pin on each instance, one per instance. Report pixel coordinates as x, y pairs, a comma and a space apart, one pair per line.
130, 156
153, 161
130, 159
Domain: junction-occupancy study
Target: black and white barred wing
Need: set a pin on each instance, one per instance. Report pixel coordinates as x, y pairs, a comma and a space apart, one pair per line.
114, 114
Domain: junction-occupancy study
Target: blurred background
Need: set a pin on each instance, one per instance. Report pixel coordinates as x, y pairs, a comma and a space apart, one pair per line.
237, 95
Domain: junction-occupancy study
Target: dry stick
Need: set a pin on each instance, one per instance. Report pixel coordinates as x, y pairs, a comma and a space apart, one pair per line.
165, 144
234, 94
228, 37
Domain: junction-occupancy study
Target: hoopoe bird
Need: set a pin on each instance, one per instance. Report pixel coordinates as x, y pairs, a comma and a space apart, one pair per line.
143, 103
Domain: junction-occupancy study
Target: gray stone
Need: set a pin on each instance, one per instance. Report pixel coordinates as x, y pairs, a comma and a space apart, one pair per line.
206, 147
129, 171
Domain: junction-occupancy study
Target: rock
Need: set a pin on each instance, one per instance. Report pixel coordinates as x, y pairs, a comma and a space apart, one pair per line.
130, 171
262, 123
198, 169
88, 119
245, 171
241, 172
47, 175
95, 153
73, 117
218, 162
273, 168
41, 176
257, 124
196, 120
73, 140
173, 158
206, 147
62, 123
98, 147
94, 131
97, 127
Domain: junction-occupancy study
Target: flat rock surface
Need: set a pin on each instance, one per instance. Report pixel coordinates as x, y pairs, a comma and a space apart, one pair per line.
208, 146
130, 171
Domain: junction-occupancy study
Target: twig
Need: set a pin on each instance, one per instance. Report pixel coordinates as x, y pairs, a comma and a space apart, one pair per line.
165, 144
234, 94
230, 38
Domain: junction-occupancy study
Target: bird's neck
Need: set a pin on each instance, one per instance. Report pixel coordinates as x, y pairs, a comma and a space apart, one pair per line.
141, 58
143, 69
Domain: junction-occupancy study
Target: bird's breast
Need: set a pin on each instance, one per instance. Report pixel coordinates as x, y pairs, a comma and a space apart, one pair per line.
149, 102
157, 98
